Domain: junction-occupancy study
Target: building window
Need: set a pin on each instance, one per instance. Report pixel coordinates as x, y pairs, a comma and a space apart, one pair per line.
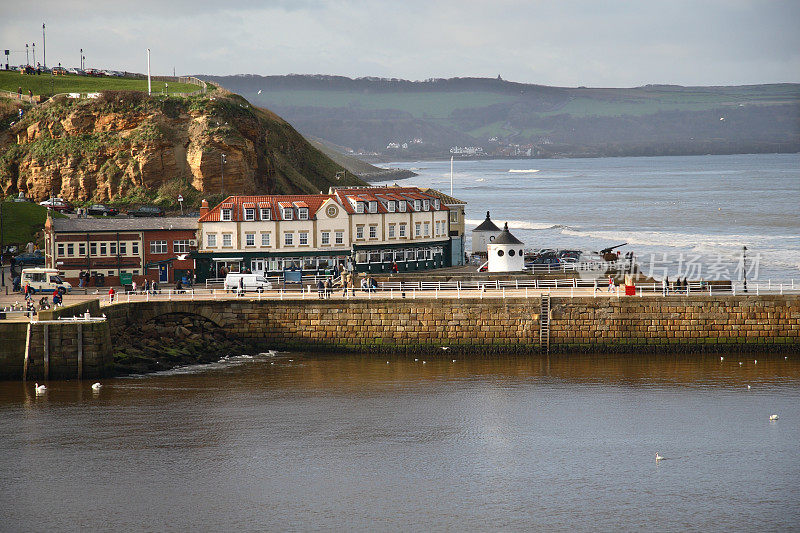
402, 231
158, 247
303, 238
249, 239
373, 231
436, 203
401, 206
110, 273
373, 206
211, 238
359, 207
326, 238
436, 228
453, 215
287, 213
227, 240
135, 248
265, 213
417, 205
112, 247
427, 226
426, 205
360, 232
288, 239
82, 249
265, 239
227, 215
302, 213
70, 250
391, 231
390, 206
339, 237
103, 249
60, 250
418, 229
180, 247
123, 248
93, 249
249, 213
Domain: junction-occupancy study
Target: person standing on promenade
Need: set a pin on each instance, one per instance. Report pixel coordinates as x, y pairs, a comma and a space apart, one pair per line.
321, 289
351, 280
610, 283
343, 281
133, 286
80, 280
328, 287
111, 293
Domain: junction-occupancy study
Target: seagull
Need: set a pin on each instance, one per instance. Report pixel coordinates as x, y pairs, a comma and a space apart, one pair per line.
182, 257
740, 363
658, 457
454, 360
773, 417
96, 386
259, 91
387, 362
755, 362
415, 360
445, 348
291, 360
748, 387
423, 362
40, 389
721, 358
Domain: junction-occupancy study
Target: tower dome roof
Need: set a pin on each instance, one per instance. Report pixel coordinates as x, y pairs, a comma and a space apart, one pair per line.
487, 225
506, 237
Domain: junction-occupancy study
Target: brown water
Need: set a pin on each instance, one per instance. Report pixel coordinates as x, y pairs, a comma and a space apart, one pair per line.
344, 442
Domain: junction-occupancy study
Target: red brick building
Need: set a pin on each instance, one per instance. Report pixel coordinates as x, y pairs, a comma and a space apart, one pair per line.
150, 248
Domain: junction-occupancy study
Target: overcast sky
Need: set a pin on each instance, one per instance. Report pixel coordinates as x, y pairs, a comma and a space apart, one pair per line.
557, 42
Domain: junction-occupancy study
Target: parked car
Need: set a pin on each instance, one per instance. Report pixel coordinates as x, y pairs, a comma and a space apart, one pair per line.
44, 279
58, 204
102, 210
147, 211
59, 71
34, 258
250, 282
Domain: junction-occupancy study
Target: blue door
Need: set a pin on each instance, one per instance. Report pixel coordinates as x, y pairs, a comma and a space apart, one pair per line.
163, 275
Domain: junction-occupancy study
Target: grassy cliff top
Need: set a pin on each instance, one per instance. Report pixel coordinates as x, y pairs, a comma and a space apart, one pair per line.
47, 84
22, 221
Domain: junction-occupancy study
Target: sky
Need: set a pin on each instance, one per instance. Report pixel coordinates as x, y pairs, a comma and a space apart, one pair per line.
558, 42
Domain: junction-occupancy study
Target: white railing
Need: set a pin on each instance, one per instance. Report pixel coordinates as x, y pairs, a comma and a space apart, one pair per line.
566, 288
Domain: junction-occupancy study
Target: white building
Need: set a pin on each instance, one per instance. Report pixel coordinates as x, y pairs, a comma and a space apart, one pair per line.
506, 253
483, 235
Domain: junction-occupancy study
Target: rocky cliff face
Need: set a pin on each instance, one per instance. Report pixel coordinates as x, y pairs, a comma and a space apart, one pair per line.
128, 147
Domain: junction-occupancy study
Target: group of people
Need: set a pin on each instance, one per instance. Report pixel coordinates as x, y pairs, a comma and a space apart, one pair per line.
347, 280
679, 286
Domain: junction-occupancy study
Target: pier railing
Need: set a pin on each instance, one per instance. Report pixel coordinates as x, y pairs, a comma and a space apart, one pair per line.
564, 288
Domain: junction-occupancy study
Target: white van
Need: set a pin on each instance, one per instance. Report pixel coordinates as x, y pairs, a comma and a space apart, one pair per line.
44, 280
250, 282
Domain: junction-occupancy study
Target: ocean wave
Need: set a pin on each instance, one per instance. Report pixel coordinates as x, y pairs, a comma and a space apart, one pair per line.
522, 224
525, 171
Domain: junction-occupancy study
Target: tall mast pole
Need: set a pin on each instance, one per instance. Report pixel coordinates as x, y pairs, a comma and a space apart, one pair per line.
451, 175
149, 88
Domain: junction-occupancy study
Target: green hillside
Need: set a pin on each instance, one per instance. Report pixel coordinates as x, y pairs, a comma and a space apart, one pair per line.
22, 221
47, 84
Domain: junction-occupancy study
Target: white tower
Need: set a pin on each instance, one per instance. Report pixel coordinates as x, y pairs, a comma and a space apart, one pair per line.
483, 235
506, 253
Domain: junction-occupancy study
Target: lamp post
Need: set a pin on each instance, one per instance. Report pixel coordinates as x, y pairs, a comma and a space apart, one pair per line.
81, 62
222, 169
33, 53
27, 57
44, 48
2, 248
744, 266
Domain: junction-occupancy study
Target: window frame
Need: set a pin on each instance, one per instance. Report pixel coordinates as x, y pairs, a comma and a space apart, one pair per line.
249, 214
229, 239
265, 211
226, 214
211, 240
157, 246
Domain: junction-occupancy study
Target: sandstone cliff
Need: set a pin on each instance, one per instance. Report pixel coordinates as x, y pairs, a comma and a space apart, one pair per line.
127, 147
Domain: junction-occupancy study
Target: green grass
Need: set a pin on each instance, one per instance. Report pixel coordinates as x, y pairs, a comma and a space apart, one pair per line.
22, 221
47, 84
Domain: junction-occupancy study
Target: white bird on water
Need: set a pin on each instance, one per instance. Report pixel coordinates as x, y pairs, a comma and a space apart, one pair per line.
658, 457
445, 348
96, 386
773, 417
40, 389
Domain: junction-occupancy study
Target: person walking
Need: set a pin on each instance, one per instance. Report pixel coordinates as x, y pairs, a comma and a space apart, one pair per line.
80, 280
111, 293
133, 287
321, 289
328, 287
343, 281
241, 285
28, 290
351, 280
610, 284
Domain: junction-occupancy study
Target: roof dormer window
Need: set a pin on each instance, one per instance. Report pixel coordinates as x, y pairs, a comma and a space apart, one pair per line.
426, 205
390, 206
227, 214
359, 207
401, 206
287, 213
373, 206
436, 204
249, 213
266, 213
302, 213
417, 205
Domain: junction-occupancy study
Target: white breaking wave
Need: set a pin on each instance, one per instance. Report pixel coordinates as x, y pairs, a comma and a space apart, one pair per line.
519, 224
525, 171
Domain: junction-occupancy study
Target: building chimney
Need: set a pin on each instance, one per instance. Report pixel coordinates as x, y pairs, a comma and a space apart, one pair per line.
203, 207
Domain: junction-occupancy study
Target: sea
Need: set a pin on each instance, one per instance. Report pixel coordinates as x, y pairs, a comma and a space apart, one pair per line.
686, 216
309, 442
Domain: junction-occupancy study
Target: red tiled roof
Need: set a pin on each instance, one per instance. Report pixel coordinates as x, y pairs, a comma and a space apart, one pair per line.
312, 201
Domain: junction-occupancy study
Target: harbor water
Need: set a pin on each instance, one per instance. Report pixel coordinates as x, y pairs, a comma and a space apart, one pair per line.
682, 216
303, 442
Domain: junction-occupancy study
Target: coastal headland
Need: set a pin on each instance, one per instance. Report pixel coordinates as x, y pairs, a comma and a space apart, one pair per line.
146, 336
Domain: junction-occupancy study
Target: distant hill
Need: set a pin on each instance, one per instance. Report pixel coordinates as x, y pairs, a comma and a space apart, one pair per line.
427, 118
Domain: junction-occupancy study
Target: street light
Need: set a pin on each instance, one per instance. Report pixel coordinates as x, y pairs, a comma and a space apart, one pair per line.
744, 266
44, 48
27, 57
222, 168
